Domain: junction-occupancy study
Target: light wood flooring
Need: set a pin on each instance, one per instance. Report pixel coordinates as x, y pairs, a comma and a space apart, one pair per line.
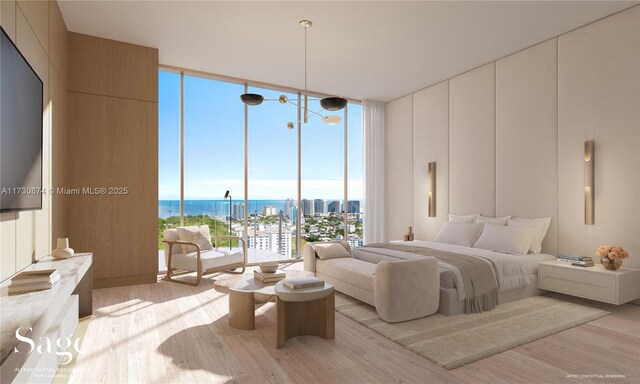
173, 333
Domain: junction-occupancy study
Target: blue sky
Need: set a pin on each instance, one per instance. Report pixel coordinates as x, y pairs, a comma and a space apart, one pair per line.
214, 145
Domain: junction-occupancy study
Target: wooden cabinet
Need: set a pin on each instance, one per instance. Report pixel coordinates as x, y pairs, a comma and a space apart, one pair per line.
595, 283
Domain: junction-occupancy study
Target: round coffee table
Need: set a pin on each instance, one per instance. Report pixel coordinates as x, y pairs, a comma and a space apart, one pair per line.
245, 292
306, 311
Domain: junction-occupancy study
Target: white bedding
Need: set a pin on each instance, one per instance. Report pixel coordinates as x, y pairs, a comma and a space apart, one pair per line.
511, 271
532, 260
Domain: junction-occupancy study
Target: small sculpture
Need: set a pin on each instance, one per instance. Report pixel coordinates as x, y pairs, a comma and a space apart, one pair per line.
62, 251
409, 235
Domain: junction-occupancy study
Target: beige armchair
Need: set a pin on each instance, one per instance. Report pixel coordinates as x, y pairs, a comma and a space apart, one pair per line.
188, 256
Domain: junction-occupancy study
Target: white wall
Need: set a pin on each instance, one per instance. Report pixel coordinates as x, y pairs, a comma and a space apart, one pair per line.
472, 138
508, 138
430, 144
599, 99
399, 167
527, 136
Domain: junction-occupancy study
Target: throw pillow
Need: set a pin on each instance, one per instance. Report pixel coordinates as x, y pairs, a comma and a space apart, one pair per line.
541, 226
469, 219
331, 251
197, 234
459, 233
493, 220
505, 239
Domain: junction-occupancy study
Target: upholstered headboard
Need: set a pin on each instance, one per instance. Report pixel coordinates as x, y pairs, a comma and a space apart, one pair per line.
508, 139
496, 163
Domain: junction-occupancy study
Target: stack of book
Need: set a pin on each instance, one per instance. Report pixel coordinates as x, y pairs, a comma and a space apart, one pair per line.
30, 281
269, 277
303, 282
576, 261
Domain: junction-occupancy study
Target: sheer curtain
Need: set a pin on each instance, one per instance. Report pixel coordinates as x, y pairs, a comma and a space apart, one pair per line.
375, 170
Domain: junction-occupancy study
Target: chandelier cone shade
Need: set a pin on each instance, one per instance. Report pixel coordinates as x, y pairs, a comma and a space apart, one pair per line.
252, 99
333, 103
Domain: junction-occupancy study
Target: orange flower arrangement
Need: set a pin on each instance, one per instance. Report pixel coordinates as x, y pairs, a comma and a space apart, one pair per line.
612, 252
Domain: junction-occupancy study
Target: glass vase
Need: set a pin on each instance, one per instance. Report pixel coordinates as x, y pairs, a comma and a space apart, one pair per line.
611, 264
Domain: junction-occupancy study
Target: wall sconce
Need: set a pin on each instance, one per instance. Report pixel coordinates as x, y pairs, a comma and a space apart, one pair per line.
432, 189
588, 182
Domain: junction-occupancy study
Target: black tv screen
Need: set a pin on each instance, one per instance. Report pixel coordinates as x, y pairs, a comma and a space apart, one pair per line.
20, 131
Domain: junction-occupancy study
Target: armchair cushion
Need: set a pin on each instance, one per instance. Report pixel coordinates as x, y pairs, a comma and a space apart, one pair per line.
214, 258
198, 234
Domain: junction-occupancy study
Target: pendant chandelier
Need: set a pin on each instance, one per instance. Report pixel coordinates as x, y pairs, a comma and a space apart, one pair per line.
327, 103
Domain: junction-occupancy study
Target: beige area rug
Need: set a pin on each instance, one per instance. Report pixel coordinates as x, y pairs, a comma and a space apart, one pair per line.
453, 341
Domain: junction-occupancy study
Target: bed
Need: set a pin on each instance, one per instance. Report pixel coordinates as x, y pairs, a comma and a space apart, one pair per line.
516, 275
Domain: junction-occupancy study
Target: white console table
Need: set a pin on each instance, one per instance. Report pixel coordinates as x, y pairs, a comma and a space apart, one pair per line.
52, 314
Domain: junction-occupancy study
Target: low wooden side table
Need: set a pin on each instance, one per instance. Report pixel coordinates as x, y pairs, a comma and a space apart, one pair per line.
308, 311
245, 292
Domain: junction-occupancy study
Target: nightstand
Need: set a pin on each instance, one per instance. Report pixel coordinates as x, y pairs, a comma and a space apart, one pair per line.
595, 283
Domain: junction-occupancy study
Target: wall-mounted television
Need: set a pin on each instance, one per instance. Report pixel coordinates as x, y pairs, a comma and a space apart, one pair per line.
20, 131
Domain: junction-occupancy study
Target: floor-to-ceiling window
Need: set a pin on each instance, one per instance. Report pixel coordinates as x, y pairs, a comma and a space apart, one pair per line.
168, 156
215, 146
272, 151
213, 154
355, 184
322, 177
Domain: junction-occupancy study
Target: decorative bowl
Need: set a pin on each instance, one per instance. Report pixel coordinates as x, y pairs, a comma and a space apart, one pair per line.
270, 267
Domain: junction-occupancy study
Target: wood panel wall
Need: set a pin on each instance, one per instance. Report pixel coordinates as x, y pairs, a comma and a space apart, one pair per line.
516, 136
38, 30
113, 142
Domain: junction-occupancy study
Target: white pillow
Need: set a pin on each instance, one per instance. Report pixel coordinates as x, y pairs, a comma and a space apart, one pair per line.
198, 234
505, 239
542, 225
331, 251
459, 233
493, 220
469, 219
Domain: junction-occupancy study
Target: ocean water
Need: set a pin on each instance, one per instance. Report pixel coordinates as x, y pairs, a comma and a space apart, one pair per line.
168, 208
217, 208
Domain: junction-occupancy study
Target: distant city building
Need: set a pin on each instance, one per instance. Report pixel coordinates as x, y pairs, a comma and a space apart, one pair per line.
350, 227
269, 210
289, 207
308, 208
354, 242
321, 207
335, 206
256, 226
237, 211
268, 240
353, 206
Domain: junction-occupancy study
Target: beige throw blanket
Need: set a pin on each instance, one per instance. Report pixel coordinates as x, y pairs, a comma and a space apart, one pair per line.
478, 279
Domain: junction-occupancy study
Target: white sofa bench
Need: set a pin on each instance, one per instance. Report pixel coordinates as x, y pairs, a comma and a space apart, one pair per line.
399, 290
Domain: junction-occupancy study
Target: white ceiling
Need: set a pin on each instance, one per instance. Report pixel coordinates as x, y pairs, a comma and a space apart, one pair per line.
377, 50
